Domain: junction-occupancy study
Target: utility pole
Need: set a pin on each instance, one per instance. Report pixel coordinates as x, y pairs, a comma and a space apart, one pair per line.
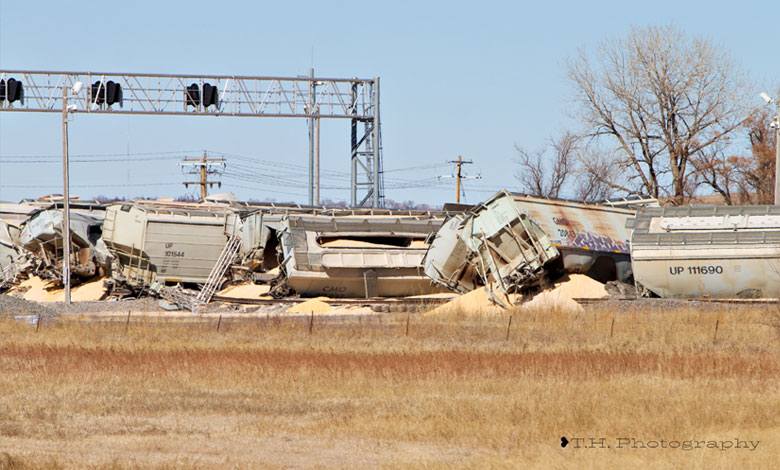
776, 125
204, 168
317, 158
777, 156
460, 175
311, 112
66, 198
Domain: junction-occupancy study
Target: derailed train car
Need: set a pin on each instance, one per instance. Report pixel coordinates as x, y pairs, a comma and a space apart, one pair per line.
516, 241
166, 243
717, 251
496, 243
42, 238
592, 238
357, 256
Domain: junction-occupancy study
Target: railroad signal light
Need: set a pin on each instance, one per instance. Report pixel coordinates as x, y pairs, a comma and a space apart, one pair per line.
113, 93
12, 90
192, 96
98, 93
210, 95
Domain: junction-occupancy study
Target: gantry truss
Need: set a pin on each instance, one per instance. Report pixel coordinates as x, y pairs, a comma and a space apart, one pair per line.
163, 94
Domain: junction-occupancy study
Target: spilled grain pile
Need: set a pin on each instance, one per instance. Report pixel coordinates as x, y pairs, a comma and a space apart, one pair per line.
36, 289
475, 302
311, 306
566, 289
88, 291
246, 291
560, 297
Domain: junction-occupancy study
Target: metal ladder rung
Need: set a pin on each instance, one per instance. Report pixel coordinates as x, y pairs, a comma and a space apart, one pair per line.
222, 264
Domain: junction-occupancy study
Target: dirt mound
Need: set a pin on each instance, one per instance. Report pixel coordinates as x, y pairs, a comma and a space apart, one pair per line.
311, 306
11, 306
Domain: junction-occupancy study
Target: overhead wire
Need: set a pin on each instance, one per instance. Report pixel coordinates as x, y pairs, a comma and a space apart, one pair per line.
281, 173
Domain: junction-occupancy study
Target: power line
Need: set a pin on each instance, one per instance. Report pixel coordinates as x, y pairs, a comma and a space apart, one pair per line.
459, 175
419, 167
204, 167
101, 154
88, 185
117, 160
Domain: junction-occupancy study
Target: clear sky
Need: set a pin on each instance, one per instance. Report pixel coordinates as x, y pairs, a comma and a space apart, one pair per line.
457, 78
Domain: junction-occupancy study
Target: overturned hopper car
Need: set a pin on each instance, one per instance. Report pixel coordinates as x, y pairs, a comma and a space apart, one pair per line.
592, 239
42, 237
497, 243
357, 256
727, 252
160, 244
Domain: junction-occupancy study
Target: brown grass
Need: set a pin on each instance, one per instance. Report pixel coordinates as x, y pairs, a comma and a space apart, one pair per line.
359, 393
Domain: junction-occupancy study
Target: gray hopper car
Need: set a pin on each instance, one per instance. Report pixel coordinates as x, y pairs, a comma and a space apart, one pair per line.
357, 256
166, 244
726, 252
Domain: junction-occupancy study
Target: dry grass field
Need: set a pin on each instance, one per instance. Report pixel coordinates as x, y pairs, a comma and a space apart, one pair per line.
360, 393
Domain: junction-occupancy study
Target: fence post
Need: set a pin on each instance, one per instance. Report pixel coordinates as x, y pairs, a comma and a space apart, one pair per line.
715, 336
311, 323
219, 322
127, 322
612, 328
407, 324
509, 325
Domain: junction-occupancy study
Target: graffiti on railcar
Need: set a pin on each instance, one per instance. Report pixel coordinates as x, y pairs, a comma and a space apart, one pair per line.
596, 242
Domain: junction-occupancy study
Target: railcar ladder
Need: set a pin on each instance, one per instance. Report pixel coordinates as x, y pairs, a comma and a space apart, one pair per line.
219, 269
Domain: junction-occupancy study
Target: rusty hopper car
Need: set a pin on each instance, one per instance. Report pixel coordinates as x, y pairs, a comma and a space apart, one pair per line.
157, 243
591, 238
357, 256
726, 252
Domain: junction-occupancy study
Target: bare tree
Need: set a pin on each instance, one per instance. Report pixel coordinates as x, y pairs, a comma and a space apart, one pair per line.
712, 168
597, 176
657, 97
759, 168
742, 179
540, 178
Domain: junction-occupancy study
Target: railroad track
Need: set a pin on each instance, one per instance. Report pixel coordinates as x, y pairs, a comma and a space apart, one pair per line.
337, 302
583, 301
432, 302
